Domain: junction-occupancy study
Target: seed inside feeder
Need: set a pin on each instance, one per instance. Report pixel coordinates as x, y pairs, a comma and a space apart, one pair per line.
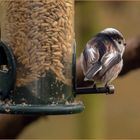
40, 33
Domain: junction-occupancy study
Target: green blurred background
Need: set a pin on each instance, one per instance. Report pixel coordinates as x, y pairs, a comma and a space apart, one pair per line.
115, 116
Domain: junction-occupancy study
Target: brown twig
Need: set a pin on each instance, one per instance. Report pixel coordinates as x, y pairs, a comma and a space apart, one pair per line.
12, 125
131, 56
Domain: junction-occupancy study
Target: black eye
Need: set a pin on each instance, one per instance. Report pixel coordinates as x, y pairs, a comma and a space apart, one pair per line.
119, 42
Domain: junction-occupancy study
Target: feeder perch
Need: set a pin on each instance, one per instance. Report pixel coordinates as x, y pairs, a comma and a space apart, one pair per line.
38, 59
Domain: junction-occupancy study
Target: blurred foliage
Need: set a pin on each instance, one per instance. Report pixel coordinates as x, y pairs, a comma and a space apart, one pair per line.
85, 23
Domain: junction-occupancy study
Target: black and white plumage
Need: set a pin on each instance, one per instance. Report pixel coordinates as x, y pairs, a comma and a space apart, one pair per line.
101, 59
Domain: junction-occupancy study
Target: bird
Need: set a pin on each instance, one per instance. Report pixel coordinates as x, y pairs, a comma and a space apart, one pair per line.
102, 58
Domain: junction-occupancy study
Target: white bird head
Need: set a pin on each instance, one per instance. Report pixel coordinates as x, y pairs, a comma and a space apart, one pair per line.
117, 37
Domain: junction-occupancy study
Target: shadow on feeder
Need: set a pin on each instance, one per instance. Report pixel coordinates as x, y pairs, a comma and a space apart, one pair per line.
47, 98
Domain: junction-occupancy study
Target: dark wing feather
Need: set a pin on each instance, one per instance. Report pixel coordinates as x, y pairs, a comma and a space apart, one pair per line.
90, 55
92, 71
109, 60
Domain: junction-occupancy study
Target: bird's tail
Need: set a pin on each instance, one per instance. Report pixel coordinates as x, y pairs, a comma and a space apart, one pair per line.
92, 71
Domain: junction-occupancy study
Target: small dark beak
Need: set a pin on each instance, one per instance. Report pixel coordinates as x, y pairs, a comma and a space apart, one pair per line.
125, 44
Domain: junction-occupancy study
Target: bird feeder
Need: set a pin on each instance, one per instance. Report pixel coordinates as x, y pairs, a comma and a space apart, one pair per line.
38, 58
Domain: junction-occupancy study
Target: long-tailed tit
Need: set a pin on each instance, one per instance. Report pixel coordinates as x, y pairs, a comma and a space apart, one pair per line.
101, 59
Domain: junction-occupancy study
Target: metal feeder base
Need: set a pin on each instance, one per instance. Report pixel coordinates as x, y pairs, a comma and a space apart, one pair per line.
42, 109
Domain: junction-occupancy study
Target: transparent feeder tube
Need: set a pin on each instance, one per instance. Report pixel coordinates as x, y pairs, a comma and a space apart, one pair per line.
41, 35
